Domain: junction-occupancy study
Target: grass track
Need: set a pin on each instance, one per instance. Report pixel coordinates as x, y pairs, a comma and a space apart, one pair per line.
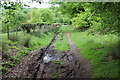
98, 50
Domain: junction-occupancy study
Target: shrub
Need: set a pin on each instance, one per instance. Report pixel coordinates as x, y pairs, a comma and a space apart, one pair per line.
24, 40
14, 59
13, 37
4, 47
4, 70
7, 64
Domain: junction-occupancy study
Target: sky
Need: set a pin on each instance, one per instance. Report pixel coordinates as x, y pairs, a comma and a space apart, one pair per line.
36, 4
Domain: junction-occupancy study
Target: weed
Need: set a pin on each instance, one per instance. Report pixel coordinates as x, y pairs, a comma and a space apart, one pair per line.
7, 64
57, 62
14, 59
4, 70
54, 74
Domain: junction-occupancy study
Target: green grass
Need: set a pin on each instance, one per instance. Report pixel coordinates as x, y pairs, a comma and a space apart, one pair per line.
61, 45
66, 28
38, 42
34, 41
99, 50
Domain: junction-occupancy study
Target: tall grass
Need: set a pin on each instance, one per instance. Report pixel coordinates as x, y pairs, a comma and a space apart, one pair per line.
100, 50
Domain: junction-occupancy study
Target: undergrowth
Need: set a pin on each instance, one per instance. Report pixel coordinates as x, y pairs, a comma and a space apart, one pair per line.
14, 49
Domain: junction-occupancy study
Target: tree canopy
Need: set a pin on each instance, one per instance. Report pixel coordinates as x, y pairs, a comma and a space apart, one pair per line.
100, 17
96, 17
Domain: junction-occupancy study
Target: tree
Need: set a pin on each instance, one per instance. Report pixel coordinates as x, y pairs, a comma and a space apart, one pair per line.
41, 15
18, 19
9, 11
58, 16
102, 17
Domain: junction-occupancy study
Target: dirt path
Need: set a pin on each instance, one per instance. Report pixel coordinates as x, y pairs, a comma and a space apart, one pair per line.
84, 63
70, 43
51, 63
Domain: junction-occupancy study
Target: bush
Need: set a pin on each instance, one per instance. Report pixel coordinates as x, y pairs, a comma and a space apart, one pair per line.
4, 70
14, 59
8, 64
13, 37
4, 47
24, 40
115, 51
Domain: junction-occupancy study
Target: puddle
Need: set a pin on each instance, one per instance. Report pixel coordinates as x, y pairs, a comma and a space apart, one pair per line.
35, 67
49, 58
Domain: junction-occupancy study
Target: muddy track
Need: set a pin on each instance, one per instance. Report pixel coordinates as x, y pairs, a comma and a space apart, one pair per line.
65, 65
85, 66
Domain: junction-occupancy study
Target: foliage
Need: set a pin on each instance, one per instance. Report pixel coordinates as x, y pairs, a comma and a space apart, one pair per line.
26, 41
41, 24
10, 16
48, 15
14, 60
7, 64
102, 17
41, 15
18, 18
59, 17
4, 70
13, 37
66, 28
4, 46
